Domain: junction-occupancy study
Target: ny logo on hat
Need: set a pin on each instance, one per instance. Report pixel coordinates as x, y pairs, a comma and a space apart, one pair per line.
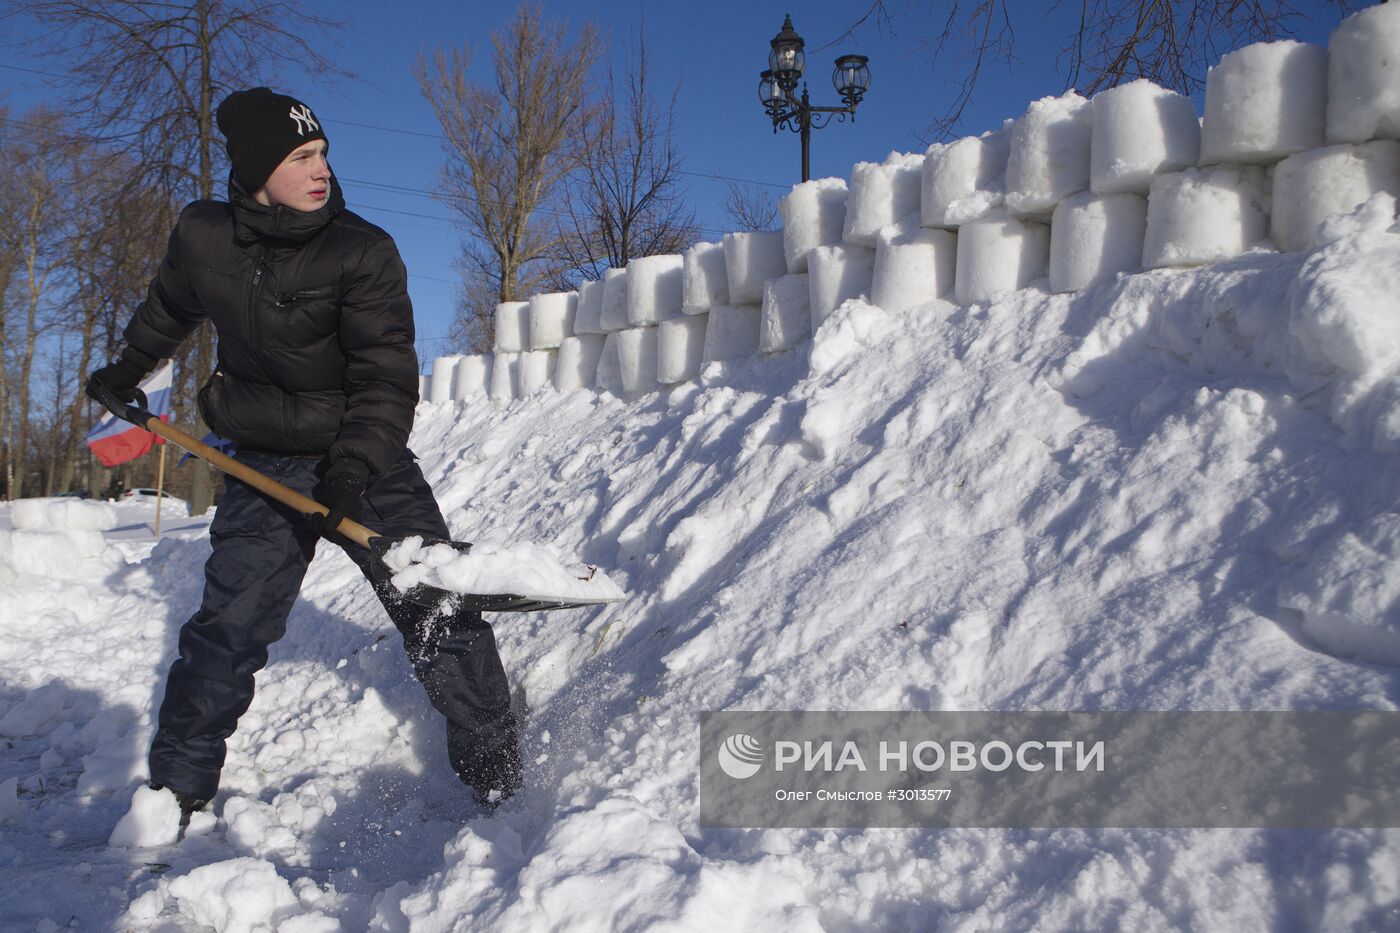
305, 121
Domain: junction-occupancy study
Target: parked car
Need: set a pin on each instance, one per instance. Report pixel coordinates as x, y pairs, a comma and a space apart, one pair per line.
148, 494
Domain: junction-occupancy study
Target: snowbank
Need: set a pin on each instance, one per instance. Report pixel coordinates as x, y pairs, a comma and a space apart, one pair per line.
61, 513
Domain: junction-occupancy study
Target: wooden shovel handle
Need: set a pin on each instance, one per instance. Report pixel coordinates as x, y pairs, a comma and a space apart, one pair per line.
264, 484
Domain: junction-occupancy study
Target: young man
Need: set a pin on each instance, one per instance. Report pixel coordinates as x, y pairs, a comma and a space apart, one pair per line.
317, 380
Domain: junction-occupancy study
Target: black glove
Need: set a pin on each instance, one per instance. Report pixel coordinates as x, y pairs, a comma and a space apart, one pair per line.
120, 379
341, 490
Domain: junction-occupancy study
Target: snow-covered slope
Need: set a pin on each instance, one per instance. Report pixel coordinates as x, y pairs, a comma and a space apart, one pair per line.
1176, 491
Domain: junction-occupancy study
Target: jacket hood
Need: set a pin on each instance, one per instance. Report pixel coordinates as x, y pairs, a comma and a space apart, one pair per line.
254, 221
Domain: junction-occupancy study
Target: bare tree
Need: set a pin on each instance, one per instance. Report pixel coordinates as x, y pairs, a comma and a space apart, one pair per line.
145, 78
626, 199
1111, 41
749, 207
509, 147
31, 233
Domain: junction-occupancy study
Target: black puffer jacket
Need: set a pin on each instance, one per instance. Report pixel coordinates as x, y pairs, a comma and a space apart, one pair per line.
315, 328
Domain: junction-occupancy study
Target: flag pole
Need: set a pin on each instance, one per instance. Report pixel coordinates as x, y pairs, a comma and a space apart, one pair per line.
160, 486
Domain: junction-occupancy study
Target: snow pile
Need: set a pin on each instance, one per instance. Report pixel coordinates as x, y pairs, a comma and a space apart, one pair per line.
61, 513
706, 281
1363, 77
836, 274
60, 552
154, 820
1140, 130
814, 214
1312, 187
882, 193
1204, 215
520, 569
512, 327
241, 895
552, 319
966, 179
655, 287
1264, 102
1049, 157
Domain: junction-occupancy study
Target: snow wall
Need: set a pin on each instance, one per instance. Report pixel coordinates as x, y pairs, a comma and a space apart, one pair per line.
1074, 195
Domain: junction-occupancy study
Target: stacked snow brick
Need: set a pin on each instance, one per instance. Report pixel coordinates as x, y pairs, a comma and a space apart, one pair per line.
1073, 194
881, 194
835, 274
964, 180
471, 377
814, 214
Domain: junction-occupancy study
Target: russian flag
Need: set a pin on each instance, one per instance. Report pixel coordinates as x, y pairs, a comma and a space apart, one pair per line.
114, 441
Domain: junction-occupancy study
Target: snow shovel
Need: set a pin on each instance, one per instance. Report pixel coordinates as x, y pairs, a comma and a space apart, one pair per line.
378, 545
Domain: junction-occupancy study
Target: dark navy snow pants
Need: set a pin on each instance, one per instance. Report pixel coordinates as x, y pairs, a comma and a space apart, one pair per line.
261, 552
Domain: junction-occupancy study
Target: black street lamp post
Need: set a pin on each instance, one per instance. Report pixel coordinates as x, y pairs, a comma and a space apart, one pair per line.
776, 86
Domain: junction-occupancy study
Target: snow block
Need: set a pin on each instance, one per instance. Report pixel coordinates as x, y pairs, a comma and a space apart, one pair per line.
881, 193
814, 214
1094, 237
472, 377
636, 355
552, 319
706, 281
512, 326
1049, 157
613, 316
1312, 187
440, 383
1363, 76
836, 274
913, 268
1265, 101
425, 388
997, 255
1140, 130
588, 317
786, 318
505, 377
655, 289
965, 180
680, 348
609, 375
1204, 215
536, 370
751, 259
732, 332
577, 366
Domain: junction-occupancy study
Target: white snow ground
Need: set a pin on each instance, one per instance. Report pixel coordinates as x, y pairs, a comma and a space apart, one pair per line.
1093, 502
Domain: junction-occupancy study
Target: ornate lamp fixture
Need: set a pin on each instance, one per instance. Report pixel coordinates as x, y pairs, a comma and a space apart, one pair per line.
777, 84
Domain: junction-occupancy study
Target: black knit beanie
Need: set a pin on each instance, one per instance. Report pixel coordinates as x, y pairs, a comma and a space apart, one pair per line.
262, 127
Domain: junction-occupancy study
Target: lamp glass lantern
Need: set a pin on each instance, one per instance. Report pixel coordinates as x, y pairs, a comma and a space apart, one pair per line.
851, 78
770, 92
786, 60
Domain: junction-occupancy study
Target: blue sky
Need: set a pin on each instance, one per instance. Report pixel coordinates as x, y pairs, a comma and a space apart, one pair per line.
387, 155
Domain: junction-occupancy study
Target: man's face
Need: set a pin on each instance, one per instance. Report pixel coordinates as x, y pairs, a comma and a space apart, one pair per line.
302, 182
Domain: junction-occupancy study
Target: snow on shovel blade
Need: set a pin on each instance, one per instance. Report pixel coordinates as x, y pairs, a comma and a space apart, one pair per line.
394, 556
